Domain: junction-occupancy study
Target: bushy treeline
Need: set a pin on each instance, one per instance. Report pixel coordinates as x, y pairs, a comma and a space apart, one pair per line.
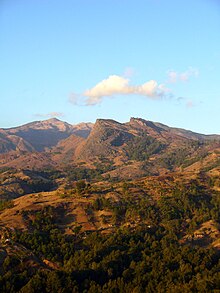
80, 173
142, 261
185, 205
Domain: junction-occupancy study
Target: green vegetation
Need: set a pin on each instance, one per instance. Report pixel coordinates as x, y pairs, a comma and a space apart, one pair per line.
148, 255
80, 173
140, 148
6, 204
13, 184
142, 261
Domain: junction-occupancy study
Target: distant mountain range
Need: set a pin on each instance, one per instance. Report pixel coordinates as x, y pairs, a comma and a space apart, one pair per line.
40, 135
139, 144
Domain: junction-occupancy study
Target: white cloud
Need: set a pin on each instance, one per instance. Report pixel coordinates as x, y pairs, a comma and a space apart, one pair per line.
118, 85
152, 89
174, 76
50, 115
190, 104
129, 72
74, 98
113, 85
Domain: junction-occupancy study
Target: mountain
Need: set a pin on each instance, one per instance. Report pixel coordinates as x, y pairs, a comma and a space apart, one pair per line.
153, 146
46, 134
25, 146
158, 128
131, 149
13, 143
107, 138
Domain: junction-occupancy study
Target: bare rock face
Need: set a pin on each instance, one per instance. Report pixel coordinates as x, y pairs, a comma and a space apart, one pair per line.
106, 139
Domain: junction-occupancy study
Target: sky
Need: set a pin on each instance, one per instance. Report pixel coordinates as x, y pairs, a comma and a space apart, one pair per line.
79, 60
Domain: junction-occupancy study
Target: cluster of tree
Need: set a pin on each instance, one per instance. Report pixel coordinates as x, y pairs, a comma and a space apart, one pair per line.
38, 185
5, 204
140, 148
46, 238
192, 202
105, 165
188, 154
139, 261
80, 173
212, 165
14, 185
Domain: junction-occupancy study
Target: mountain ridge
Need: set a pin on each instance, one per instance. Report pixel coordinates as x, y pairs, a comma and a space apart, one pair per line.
57, 121
42, 134
139, 144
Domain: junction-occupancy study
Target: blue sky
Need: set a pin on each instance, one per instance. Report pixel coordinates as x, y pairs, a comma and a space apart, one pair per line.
80, 60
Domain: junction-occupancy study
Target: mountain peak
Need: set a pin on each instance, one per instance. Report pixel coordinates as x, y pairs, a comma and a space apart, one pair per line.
107, 121
140, 121
54, 119
143, 123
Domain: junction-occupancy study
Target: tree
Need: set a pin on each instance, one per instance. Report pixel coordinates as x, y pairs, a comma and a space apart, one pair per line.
80, 186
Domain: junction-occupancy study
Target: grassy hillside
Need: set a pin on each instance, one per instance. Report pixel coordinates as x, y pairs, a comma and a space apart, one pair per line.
155, 233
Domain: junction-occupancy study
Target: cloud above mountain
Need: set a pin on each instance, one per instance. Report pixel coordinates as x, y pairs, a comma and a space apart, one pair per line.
113, 85
50, 115
118, 85
175, 76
